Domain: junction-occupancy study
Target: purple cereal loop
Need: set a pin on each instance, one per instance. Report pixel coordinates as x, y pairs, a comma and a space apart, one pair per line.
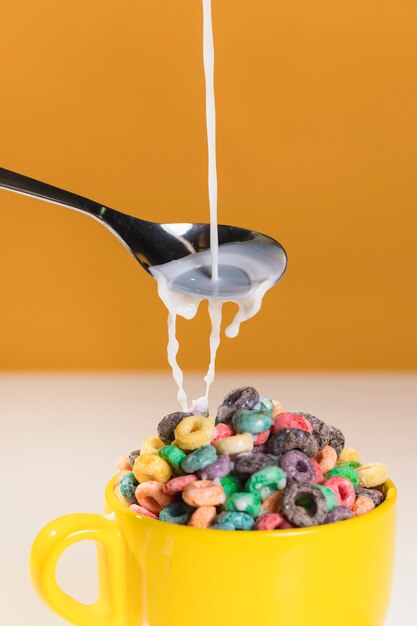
376, 496
219, 468
338, 514
248, 463
298, 467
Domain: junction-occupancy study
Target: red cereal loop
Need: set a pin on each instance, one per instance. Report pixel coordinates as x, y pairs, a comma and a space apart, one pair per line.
176, 485
319, 473
342, 489
291, 420
222, 431
260, 439
271, 521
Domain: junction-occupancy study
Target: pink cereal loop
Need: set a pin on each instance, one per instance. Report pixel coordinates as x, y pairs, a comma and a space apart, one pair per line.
222, 431
203, 517
176, 485
319, 473
140, 510
291, 420
272, 521
326, 458
203, 493
151, 495
123, 463
260, 439
342, 489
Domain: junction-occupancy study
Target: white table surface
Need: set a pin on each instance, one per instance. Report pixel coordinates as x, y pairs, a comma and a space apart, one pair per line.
60, 436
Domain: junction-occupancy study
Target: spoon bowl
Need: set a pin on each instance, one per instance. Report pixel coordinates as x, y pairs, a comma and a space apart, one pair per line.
179, 251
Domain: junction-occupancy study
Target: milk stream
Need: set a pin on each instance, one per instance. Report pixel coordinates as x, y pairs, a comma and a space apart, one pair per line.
215, 313
208, 62
232, 257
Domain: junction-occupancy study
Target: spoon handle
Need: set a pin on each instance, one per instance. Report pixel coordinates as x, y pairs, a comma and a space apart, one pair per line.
32, 187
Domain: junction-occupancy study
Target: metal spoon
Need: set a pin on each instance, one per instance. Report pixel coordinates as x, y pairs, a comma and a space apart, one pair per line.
156, 245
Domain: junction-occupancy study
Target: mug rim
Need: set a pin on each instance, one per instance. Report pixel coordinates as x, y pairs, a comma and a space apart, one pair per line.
389, 502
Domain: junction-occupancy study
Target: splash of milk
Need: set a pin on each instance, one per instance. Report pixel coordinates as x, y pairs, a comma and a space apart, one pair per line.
186, 305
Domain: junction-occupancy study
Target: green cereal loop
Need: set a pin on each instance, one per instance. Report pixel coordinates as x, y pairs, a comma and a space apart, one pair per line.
264, 404
176, 513
198, 459
330, 496
231, 484
265, 481
173, 455
239, 521
127, 485
353, 464
224, 526
250, 421
245, 502
345, 472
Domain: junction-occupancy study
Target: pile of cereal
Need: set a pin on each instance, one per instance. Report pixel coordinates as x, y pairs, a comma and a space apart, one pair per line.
257, 467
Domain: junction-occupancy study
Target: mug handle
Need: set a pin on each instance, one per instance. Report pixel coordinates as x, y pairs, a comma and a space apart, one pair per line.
57, 536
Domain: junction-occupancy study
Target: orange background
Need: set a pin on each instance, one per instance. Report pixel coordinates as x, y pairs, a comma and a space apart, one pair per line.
317, 146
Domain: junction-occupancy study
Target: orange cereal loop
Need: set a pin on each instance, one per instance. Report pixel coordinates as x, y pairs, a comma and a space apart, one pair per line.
151, 495
278, 408
121, 497
203, 517
326, 458
203, 493
347, 455
272, 504
151, 467
119, 476
123, 463
362, 505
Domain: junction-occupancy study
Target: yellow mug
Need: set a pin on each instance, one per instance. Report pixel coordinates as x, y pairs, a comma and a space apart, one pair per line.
156, 574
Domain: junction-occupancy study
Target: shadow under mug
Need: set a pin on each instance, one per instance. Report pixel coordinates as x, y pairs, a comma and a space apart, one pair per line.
153, 573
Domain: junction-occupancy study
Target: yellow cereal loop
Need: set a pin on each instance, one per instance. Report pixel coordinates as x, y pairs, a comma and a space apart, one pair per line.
278, 408
234, 445
194, 432
348, 454
151, 467
151, 445
372, 475
121, 497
